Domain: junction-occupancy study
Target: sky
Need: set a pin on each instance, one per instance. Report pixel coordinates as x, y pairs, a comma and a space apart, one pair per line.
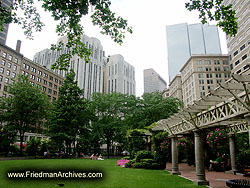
145, 48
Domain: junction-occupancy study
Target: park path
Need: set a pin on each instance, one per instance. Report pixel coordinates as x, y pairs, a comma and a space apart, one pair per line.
216, 179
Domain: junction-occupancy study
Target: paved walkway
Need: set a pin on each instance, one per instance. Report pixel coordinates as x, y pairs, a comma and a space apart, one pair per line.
216, 179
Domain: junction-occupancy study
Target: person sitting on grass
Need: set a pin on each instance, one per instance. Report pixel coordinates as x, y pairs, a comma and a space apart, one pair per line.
100, 158
92, 156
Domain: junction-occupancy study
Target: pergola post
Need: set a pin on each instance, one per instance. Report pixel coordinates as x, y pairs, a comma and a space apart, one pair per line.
175, 168
199, 159
247, 117
232, 153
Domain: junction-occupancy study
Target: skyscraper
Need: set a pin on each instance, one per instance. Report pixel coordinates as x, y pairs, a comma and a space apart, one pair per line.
3, 34
153, 81
185, 40
239, 45
119, 76
88, 75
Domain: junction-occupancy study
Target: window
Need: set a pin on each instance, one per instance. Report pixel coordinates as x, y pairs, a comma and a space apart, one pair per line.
5, 88
32, 77
60, 82
56, 80
39, 72
10, 57
6, 80
202, 88
209, 81
208, 69
33, 69
50, 78
210, 88
199, 62
49, 90
199, 68
26, 74
27, 67
50, 84
13, 75
207, 62
1, 78
23, 72
24, 65
209, 75
8, 72
201, 81
9, 65
3, 62
216, 62
200, 75
1, 70
227, 75
218, 81
225, 62
16, 60
244, 57
216, 68
4, 55
226, 68
45, 82
38, 79
218, 75
242, 47
54, 92
45, 75
238, 72
202, 93
236, 52
14, 67
44, 88
55, 86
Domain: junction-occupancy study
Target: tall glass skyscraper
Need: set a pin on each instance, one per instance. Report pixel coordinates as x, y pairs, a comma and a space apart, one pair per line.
185, 40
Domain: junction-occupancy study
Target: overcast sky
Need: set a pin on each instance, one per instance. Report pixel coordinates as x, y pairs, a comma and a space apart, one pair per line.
145, 48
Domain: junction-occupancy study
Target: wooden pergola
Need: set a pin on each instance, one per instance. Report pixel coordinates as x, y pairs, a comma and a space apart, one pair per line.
228, 106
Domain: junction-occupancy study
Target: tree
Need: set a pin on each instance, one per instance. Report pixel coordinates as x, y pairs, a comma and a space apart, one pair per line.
25, 109
70, 116
110, 110
214, 10
69, 14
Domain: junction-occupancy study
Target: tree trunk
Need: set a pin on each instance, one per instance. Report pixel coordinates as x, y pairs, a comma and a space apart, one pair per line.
108, 146
21, 143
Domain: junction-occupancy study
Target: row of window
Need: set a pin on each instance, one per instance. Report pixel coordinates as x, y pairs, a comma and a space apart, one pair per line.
216, 62
10, 57
44, 88
45, 75
209, 69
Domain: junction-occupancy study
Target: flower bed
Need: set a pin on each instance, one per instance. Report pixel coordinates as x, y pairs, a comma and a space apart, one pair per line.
122, 162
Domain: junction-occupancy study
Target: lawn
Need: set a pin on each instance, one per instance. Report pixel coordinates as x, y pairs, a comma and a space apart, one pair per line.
113, 176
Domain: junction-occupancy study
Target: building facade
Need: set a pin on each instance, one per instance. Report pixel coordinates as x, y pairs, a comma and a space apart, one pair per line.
185, 40
119, 76
13, 63
89, 76
153, 81
3, 34
239, 45
201, 74
175, 88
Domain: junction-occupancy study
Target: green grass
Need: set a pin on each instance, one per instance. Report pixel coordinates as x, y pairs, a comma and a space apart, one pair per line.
113, 176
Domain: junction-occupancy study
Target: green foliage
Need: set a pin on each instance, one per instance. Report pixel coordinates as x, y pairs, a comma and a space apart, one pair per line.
70, 116
242, 149
186, 149
140, 155
25, 110
214, 10
68, 14
218, 141
135, 141
7, 139
161, 146
33, 146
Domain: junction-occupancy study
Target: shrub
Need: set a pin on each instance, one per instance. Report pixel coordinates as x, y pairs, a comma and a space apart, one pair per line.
127, 157
186, 148
144, 155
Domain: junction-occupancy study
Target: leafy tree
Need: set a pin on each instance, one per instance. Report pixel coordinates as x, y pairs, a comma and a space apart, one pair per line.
25, 109
151, 108
33, 146
109, 110
214, 10
68, 14
69, 118
7, 139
